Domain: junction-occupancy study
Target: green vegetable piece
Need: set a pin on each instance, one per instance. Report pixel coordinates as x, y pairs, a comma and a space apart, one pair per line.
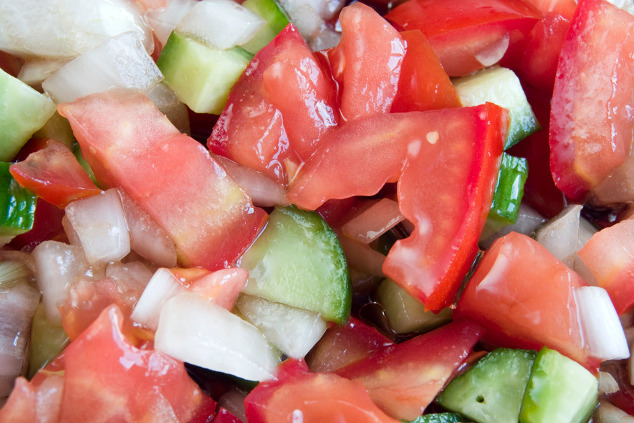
509, 190
47, 341
502, 87
201, 76
559, 390
439, 418
57, 128
17, 205
76, 149
298, 261
276, 20
22, 112
492, 390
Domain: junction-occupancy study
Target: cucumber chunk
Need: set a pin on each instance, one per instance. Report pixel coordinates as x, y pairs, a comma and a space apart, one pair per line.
22, 112
509, 190
439, 418
298, 261
492, 390
502, 87
201, 76
48, 339
17, 206
559, 390
276, 20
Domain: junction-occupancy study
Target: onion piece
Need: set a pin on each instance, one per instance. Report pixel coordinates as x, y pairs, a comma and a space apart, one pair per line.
609, 413
220, 24
33, 72
373, 221
195, 330
13, 273
528, 220
603, 333
100, 226
294, 331
492, 53
168, 103
162, 286
17, 307
134, 274
361, 257
233, 401
164, 21
57, 266
120, 62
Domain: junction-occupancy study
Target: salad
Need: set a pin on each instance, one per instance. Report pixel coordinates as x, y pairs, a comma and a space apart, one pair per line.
317, 211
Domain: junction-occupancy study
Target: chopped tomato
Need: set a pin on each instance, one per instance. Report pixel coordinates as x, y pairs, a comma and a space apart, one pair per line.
403, 379
591, 121
36, 401
454, 160
54, 174
278, 109
468, 35
170, 175
367, 62
298, 395
424, 84
225, 416
609, 256
524, 298
564, 8
222, 286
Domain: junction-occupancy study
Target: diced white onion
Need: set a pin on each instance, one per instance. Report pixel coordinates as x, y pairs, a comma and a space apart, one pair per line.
13, 272
310, 16
133, 274
294, 331
168, 103
57, 266
373, 221
147, 238
33, 72
100, 226
493, 53
603, 332
528, 220
609, 413
17, 307
197, 331
120, 62
220, 24
233, 401
607, 383
165, 20
560, 235
65, 28
162, 286
361, 257
264, 191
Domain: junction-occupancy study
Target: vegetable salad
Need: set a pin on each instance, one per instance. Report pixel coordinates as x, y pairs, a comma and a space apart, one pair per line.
314, 211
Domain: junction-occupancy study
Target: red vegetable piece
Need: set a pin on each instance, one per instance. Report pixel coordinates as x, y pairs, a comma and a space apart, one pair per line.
455, 162
311, 398
468, 35
47, 225
108, 378
524, 298
609, 256
54, 174
367, 62
277, 110
591, 122
564, 8
403, 379
35, 401
131, 145
225, 416
424, 84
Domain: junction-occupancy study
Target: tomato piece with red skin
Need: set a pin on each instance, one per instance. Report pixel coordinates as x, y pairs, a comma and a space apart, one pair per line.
423, 84
591, 122
455, 160
469, 35
103, 370
403, 379
37, 400
131, 145
609, 256
54, 174
366, 62
524, 297
298, 395
277, 111
224, 416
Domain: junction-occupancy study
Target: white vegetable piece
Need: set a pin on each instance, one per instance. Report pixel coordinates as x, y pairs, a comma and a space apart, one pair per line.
292, 330
162, 286
120, 62
163, 21
165, 99
220, 24
58, 29
603, 332
100, 226
197, 331
33, 72
374, 221
57, 266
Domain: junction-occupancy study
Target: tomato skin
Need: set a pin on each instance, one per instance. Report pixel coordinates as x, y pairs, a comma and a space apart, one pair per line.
366, 62
423, 84
403, 379
54, 174
224, 416
277, 111
590, 126
312, 398
460, 156
461, 31
507, 295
